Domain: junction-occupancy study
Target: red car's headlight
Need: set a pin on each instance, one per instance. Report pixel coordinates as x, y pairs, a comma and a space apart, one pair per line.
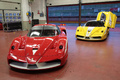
61, 47
13, 47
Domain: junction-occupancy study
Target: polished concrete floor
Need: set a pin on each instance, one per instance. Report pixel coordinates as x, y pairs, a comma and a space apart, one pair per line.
86, 61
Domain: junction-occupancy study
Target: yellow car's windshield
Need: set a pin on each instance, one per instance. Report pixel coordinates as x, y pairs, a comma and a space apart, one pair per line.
94, 24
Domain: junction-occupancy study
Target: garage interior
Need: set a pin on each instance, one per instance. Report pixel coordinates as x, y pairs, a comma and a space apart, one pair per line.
87, 60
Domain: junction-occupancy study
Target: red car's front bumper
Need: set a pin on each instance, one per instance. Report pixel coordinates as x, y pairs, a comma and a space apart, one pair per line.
38, 65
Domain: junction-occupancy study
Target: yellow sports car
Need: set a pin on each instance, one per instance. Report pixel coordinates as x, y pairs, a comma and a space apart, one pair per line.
97, 29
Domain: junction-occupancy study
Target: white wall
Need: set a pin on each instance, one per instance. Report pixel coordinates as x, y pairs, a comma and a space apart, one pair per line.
94, 1
38, 5
70, 2
61, 2
6, 5
12, 0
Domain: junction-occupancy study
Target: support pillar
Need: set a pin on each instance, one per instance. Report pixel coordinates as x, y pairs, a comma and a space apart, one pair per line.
79, 12
24, 9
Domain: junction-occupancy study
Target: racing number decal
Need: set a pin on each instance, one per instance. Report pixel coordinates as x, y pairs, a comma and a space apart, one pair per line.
89, 31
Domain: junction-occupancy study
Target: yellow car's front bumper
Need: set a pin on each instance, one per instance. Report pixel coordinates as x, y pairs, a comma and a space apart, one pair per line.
96, 38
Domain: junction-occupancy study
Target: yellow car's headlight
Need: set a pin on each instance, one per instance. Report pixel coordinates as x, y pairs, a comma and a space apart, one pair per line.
102, 31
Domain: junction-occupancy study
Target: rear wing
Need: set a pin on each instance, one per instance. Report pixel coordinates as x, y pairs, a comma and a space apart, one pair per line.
108, 17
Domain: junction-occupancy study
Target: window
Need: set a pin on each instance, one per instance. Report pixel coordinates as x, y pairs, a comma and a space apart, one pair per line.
94, 24
63, 14
6, 14
7, 17
14, 18
19, 17
35, 33
43, 31
10, 14
14, 14
11, 18
18, 14
59, 31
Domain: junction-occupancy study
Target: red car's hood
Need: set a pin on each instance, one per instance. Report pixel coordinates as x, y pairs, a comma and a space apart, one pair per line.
41, 45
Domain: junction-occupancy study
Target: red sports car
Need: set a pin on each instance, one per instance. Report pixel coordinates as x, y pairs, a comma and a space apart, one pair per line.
44, 47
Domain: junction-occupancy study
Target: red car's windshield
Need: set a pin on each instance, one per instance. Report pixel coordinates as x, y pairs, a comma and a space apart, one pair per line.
43, 31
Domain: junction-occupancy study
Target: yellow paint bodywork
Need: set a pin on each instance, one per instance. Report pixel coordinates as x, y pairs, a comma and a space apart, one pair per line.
110, 20
97, 33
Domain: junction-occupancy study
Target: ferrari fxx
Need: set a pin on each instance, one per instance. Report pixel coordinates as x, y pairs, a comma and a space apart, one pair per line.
97, 29
45, 46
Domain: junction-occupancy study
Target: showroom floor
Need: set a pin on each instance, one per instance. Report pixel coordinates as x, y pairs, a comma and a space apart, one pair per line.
86, 61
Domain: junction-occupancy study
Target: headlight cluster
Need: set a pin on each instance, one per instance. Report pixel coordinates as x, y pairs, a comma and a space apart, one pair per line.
78, 30
13, 47
102, 31
61, 47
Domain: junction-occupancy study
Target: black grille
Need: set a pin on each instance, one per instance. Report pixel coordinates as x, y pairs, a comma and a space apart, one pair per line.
32, 66
97, 37
17, 63
87, 37
80, 36
54, 61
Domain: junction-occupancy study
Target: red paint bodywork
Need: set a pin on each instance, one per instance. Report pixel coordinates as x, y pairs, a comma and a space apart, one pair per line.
1, 27
48, 48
